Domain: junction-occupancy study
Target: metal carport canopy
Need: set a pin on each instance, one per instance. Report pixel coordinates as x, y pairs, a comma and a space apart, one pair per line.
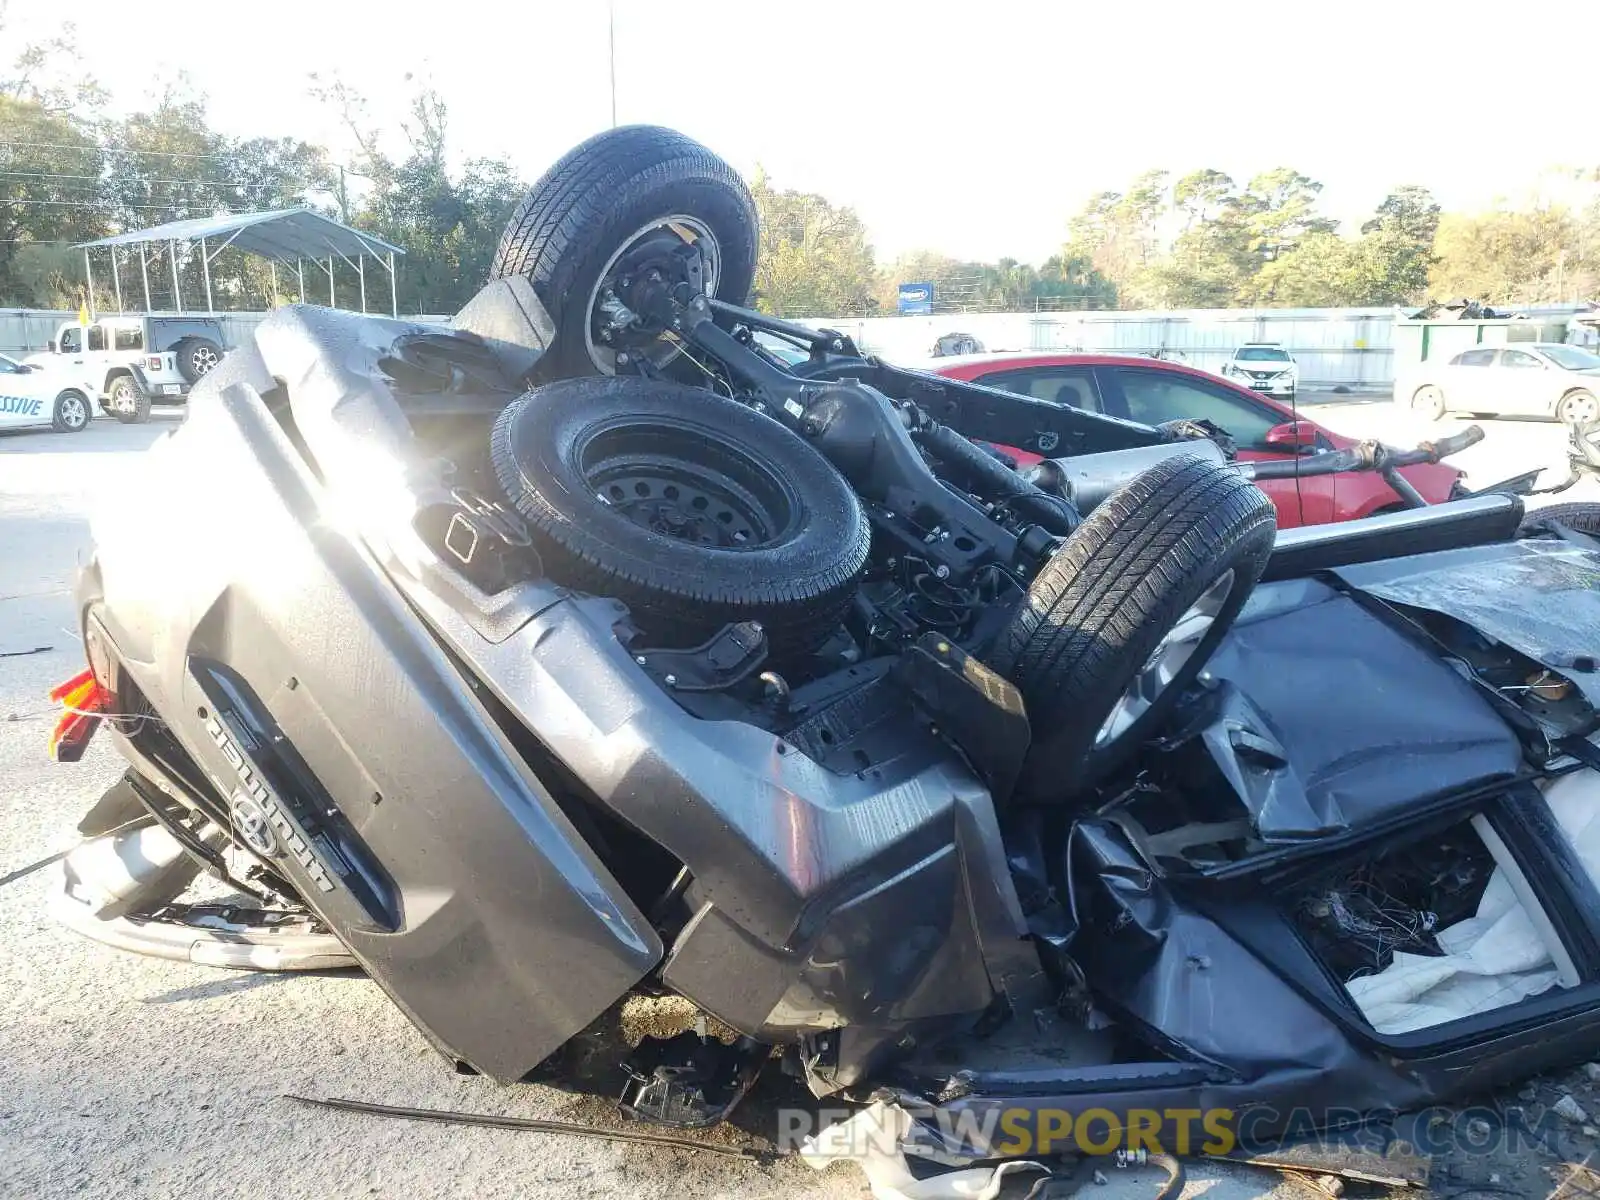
288, 235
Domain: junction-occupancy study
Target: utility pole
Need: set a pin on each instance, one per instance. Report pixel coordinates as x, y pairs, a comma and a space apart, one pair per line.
611, 31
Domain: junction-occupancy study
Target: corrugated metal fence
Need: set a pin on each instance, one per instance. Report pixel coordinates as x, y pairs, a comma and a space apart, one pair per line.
1349, 346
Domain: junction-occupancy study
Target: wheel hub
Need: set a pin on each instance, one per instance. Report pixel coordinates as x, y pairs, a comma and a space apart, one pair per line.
652, 253
684, 512
688, 513
662, 479
1172, 652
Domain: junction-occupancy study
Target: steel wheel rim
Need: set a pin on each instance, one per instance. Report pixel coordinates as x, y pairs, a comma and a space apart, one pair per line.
654, 476
1579, 410
74, 414
603, 356
1166, 662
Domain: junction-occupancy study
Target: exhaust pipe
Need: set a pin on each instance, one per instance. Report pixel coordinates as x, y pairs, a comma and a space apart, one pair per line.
1088, 479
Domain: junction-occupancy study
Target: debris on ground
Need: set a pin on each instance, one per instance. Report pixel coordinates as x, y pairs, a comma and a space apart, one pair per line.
1392, 1166
872, 1139
665, 1017
1569, 1109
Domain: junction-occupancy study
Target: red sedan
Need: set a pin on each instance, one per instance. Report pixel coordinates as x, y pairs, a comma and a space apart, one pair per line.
1152, 391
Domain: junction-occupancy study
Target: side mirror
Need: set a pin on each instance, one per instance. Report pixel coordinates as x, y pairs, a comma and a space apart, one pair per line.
1292, 436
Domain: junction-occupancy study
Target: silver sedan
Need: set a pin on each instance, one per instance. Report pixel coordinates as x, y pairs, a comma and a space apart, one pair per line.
1529, 378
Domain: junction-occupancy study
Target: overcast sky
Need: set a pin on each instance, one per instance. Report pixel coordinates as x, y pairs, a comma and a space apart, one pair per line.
971, 128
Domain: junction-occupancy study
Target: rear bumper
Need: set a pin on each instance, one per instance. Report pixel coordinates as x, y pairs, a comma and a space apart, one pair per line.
288, 668
161, 391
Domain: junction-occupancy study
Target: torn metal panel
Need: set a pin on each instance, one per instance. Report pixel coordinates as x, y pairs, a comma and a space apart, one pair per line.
1539, 597
1338, 720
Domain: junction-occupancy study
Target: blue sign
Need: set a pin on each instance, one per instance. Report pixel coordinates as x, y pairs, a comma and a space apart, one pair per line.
916, 298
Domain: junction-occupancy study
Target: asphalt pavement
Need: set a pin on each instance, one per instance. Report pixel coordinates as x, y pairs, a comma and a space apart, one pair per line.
129, 1077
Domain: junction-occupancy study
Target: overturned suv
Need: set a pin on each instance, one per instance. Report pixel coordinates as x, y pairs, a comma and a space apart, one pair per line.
623, 699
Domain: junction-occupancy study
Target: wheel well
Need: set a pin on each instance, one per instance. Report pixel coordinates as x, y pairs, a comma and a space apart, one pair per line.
115, 374
78, 392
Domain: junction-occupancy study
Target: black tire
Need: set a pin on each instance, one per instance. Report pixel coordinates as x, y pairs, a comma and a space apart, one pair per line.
196, 357
1099, 610
586, 207
72, 412
128, 403
714, 513
1580, 517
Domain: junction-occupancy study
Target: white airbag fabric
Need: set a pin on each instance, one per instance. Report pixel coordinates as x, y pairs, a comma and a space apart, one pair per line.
1494, 958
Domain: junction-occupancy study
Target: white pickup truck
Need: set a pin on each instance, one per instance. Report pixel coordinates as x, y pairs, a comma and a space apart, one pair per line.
133, 361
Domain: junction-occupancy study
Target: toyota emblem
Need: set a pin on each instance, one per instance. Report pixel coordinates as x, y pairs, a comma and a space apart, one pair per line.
252, 826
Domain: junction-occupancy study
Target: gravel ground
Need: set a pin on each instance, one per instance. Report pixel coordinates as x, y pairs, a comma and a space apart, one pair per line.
130, 1077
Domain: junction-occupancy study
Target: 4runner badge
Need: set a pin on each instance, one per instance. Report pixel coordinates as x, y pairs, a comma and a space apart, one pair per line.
260, 817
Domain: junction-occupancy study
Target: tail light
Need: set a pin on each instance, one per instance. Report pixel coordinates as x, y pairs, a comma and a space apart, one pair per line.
153, 362
82, 701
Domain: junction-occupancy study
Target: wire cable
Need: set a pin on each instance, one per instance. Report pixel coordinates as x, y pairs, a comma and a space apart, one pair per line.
94, 149
492, 1120
139, 180
105, 204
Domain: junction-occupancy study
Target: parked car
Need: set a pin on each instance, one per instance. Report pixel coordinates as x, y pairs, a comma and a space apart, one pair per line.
1528, 379
32, 395
1264, 367
1153, 391
132, 361
948, 344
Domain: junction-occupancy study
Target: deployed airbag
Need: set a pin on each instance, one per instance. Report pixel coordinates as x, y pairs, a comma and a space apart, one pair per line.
1495, 958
